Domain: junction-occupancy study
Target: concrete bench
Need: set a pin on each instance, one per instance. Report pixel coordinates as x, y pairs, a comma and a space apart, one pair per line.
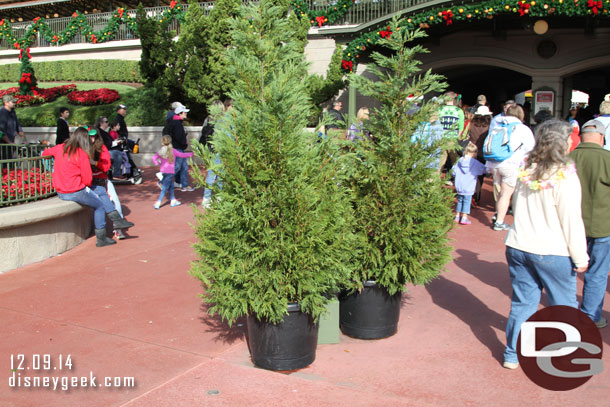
38, 230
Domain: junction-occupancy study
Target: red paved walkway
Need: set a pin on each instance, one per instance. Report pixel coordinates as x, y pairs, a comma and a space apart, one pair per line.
132, 310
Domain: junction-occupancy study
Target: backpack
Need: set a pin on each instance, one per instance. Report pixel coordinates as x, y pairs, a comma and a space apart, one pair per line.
497, 143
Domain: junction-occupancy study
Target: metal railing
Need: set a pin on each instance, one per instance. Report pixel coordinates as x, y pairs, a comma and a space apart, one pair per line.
362, 11
24, 175
97, 21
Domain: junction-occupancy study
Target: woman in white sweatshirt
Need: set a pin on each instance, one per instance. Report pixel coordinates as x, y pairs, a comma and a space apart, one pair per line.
546, 245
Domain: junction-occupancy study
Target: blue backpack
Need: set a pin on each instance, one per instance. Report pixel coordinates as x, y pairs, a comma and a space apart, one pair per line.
497, 143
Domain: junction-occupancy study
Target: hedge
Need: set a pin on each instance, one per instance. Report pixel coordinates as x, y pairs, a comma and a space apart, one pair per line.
102, 70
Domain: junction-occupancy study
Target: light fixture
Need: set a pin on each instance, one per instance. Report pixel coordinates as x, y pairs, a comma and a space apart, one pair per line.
541, 27
20, 19
55, 15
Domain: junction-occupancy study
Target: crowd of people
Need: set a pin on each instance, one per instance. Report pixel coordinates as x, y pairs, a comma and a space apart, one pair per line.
556, 177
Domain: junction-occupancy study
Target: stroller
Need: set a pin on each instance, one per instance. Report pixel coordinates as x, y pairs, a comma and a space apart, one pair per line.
130, 173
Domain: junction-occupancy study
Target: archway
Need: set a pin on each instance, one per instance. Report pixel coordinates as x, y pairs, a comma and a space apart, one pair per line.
497, 84
595, 83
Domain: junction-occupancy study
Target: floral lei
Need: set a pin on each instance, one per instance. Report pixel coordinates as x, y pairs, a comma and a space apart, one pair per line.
560, 175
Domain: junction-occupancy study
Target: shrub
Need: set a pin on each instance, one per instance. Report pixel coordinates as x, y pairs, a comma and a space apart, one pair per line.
403, 213
111, 70
278, 229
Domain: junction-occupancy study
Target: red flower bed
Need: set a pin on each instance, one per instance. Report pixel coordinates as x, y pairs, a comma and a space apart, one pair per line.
24, 184
93, 97
40, 95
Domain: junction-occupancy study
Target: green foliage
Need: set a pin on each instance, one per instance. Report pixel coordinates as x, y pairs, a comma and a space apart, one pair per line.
215, 82
158, 51
279, 230
322, 89
403, 213
111, 70
146, 107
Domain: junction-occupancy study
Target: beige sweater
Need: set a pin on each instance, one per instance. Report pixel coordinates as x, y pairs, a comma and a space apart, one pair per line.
548, 220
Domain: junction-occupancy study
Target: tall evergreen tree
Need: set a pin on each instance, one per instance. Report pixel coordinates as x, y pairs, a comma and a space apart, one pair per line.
403, 213
27, 79
158, 51
214, 81
279, 226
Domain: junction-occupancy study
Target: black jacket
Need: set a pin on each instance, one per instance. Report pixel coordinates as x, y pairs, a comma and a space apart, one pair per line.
9, 124
176, 130
107, 139
63, 131
123, 132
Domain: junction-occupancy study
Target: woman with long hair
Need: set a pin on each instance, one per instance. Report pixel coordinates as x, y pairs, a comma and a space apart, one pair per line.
546, 245
101, 185
72, 178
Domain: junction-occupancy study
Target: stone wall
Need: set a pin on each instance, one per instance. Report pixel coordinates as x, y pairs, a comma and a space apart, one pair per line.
35, 231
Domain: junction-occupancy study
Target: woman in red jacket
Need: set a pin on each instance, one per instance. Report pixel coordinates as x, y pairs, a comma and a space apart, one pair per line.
72, 179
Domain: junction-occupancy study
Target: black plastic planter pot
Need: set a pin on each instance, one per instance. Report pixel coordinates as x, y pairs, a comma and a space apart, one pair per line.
289, 345
371, 314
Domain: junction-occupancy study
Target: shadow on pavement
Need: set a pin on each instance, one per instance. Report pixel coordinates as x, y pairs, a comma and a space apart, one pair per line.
458, 300
224, 333
494, 274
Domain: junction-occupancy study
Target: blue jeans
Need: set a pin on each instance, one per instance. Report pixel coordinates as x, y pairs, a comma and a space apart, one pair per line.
529, 274
167, 185
89, 198
596, 277
103, 194
210, 179
116, 156
463, 204
181, 170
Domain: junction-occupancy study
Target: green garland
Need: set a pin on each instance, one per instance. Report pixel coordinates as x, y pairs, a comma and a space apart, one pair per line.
322, 17
471, 12
79, 24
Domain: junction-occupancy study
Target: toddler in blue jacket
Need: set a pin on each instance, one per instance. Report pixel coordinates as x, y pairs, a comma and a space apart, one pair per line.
466, 171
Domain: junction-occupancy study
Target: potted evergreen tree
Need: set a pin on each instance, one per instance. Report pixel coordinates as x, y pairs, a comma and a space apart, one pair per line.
276, 238
403, 214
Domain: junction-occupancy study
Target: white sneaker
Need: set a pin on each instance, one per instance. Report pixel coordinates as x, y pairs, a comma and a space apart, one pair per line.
159, 175
176, 185
206, 203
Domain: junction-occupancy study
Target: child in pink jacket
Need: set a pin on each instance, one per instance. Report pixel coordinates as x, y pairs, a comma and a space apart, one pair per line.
165, 159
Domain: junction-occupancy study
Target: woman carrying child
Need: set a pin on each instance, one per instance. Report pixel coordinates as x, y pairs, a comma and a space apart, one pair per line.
165, 159
466, 171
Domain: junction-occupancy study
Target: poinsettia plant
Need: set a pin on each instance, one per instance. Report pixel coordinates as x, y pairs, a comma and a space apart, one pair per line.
101, 96
39, 96
18, 184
